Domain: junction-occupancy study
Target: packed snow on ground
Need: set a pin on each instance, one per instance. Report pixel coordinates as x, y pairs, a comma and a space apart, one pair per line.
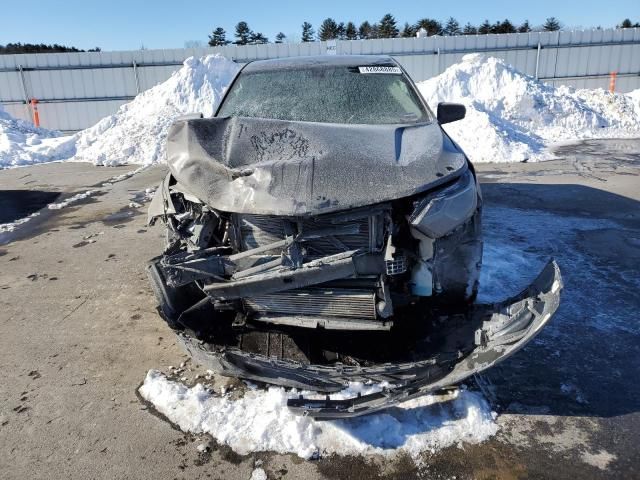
12, 226
514, 117
258, 474
261, 421
76, 198
23, 144
136, 133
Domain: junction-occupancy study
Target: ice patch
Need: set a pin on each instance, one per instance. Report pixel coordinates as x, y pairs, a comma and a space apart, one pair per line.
145, 196
572, 390
261, 421
518, 243
514, 117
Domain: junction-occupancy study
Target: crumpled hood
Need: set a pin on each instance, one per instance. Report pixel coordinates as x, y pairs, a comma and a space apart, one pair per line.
275, 167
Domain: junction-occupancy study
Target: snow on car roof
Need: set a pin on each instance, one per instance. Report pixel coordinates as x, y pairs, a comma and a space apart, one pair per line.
319, 61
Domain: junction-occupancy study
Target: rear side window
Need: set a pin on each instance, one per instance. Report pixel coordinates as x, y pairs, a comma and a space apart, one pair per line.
329, 95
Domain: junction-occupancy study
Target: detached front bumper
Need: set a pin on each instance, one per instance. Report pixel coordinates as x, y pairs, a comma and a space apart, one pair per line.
499, 331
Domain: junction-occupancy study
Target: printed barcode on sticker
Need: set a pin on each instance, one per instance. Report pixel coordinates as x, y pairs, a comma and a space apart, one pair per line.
374, 69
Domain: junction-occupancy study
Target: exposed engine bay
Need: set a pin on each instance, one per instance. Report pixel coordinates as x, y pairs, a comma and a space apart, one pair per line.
319, 292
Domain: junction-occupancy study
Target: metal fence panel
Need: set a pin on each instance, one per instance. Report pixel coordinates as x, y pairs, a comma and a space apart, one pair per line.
77, 89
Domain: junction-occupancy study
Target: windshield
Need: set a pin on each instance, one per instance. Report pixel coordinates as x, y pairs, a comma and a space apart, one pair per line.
329, 95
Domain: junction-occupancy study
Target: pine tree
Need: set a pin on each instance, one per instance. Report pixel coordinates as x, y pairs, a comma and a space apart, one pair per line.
375, 31
626, 23
218, 38
328, 30
469, 29
257, 38
407, 31
551, 25
350, 31
280, 37
452, 27
364, 31
433, 27
485, 28
525, 27
507, 27
341, 31
387, 27
243, 33
307, 32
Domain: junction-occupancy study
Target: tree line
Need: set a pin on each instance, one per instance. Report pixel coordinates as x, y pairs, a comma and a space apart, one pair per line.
388, 27
330, 29
13, 48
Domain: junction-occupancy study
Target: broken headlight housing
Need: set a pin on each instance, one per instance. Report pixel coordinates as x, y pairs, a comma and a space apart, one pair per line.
440, 212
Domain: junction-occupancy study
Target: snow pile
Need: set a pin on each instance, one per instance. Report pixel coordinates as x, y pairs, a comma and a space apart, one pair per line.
23, 144
514, 117
635, 96
137, 132
261, 421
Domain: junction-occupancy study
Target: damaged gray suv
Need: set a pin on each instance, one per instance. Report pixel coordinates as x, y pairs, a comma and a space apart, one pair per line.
322, 228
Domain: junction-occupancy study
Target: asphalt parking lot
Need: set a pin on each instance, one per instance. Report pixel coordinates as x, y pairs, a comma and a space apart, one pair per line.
79, 332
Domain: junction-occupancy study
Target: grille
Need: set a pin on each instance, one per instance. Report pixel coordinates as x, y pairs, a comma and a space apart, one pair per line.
344, 303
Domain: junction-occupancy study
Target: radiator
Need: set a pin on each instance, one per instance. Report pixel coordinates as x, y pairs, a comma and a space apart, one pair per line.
339, 302
257, 230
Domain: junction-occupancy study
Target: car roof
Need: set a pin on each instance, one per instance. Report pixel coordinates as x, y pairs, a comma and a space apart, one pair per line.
321, 61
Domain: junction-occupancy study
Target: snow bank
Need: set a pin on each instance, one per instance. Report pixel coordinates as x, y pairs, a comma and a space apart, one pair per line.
23, 144
514, 117
635, 96
137, 132
261, 421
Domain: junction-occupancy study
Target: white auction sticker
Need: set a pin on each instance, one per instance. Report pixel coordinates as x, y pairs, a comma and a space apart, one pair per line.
374, 69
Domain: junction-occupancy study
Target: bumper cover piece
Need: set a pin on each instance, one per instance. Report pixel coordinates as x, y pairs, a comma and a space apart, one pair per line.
503, 329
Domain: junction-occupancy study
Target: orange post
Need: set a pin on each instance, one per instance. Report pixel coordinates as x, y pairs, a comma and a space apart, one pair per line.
36, 115
612, 82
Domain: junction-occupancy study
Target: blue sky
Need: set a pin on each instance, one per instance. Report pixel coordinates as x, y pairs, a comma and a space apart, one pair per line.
126, 25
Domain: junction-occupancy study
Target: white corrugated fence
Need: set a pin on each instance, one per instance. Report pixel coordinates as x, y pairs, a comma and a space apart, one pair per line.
75, 90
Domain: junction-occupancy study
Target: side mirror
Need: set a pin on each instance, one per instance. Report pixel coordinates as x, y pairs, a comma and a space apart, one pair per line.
450, 112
